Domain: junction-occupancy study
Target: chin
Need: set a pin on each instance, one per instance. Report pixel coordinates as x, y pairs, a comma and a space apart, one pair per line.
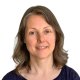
44, 56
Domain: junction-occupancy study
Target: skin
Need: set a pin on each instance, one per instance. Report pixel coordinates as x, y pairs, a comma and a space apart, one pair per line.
39, 37
40, 42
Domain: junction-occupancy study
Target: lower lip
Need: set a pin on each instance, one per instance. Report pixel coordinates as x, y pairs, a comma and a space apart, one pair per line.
41, 48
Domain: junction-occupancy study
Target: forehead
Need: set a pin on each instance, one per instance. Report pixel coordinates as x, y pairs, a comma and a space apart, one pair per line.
36, 21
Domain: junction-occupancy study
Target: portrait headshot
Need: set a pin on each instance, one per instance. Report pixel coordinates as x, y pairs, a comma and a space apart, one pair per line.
40, 51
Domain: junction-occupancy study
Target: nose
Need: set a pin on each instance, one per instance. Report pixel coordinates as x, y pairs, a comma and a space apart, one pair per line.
41, 37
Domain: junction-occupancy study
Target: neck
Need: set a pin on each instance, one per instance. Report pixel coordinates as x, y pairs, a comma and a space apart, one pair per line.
41, 65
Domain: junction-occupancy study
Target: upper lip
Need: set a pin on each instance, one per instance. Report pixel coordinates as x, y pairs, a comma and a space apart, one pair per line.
41, 46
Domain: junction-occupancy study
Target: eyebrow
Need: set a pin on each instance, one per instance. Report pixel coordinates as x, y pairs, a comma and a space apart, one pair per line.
43, 28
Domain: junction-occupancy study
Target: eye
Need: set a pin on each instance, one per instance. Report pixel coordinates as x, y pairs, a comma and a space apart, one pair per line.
32, 33
47, 31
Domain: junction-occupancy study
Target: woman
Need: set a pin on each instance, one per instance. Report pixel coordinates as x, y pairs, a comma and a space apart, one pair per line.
39, 52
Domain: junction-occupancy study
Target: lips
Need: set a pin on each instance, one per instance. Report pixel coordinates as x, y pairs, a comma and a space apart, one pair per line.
41, 47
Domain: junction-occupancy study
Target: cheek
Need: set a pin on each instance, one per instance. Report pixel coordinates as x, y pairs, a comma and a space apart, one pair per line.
51, 41
30, 42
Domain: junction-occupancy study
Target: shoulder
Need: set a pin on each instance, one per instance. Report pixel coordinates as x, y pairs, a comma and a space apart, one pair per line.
12, 76
69, 70
70, 73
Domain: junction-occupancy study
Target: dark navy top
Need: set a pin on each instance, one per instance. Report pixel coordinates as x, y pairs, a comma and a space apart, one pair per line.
66, 73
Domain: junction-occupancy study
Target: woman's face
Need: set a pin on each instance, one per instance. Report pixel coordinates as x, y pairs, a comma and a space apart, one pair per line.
39, 37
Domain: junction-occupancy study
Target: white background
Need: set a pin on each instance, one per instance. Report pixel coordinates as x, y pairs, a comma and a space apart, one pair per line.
67, 13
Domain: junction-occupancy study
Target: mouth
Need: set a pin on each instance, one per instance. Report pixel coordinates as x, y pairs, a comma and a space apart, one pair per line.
41, 47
